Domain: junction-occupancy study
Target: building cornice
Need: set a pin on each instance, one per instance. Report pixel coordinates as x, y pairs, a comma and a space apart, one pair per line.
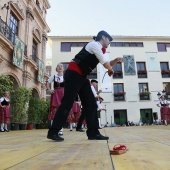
115, 37
16, 9
47, 4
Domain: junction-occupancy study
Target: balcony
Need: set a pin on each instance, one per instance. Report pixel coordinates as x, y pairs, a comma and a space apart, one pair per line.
35, 59
142, 73
165, 73
119, 96
118, 74
7, 32
144, 95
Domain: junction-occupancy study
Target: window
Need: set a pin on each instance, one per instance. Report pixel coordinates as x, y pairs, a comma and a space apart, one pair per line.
48, 70
118, 92
144, 91
66, 46
164, 69
117, 71
141, 68
162, 47
126, 44
34, 51
13, 25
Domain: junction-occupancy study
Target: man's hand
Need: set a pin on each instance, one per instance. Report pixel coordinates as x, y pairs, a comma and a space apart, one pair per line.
119, 59
110, 72
99, 91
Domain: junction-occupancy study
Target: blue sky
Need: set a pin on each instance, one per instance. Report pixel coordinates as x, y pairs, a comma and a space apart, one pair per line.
117, 17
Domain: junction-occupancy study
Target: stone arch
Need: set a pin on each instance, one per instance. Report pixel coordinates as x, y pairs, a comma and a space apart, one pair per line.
35, 93
15, 80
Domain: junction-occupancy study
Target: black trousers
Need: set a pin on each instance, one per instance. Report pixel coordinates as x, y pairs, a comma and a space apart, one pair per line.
82, 117
76, 84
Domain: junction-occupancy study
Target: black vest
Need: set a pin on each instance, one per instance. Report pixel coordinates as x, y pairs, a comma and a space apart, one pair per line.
4, 103
86, 61
57, 84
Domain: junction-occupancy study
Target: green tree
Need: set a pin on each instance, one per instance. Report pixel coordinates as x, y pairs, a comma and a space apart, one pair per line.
6, 84
19, 104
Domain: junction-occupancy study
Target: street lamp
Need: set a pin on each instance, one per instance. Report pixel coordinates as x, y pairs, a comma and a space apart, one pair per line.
7, 7
163, 92
159, 95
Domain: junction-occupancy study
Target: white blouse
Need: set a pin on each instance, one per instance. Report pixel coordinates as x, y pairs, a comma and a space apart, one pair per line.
58, 79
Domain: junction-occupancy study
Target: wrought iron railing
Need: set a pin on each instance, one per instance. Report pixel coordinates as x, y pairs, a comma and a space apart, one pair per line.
35, 59
7, 32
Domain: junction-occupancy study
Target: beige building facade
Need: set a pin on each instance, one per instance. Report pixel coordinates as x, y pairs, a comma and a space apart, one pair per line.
23, 23
132, 93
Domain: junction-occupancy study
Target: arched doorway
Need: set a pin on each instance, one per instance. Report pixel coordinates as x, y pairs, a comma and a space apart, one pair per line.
15, 82
35, 93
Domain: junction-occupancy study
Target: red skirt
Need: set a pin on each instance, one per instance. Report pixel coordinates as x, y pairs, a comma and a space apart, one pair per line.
165, 113
74, 114
55, 102
4, 115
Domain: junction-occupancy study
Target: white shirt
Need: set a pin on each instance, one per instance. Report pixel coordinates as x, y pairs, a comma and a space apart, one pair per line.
163, 102
2, 99
99, 105
95, 47
94, 91
59, 79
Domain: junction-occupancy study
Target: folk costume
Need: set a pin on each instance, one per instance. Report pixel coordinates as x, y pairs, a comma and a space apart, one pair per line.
164, 110
4, 113
56, 96
76, 83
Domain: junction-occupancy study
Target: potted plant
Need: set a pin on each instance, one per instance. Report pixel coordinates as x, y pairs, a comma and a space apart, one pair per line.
19, 100
42, 118
119, 93
142, 71
33, 111
144, 93
165, 72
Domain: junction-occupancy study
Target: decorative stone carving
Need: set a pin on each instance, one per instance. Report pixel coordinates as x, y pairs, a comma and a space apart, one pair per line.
29, 13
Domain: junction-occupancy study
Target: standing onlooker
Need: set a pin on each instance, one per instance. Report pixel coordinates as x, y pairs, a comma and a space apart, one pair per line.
56, 94
4, 112
99, 109
164, 109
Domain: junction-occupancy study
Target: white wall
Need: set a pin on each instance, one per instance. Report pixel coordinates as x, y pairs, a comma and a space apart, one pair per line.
132, 103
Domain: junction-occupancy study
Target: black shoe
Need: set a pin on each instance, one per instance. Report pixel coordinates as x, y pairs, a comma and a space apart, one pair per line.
98, 137
6, 130
80, 130
55, 137
99, 128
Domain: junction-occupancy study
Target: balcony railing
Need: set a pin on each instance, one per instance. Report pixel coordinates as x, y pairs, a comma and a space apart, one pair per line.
7, 32
118, 74
119, 96
142, 73
165, 73
35, 59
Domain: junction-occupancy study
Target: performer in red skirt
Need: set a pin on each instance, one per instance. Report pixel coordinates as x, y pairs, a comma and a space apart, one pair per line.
165, 116
74, 114
56, 94
4, 112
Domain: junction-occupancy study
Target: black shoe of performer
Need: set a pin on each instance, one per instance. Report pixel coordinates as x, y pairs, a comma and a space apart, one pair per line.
80, 130
55, 137
98, 137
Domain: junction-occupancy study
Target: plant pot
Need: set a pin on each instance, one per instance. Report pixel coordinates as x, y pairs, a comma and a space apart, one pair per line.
14, 126
22, 126
29, 126
37, 126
